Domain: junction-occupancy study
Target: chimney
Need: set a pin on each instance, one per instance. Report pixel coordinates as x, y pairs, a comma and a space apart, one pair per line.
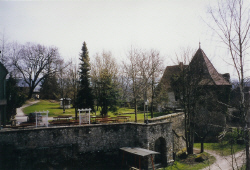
226, 76
181, 65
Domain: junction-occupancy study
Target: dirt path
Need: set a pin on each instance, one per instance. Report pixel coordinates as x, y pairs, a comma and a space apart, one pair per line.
226, 162
20, 116
20, 109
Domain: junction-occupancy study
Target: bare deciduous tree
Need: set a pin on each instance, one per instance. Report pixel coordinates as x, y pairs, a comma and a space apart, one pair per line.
156, 68
69, 81
143, 70
132, 71
33, 62
232, 25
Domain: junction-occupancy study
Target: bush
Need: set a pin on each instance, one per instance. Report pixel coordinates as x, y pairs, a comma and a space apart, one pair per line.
233, 136
115, 113
182, 154
113, 109
200, 158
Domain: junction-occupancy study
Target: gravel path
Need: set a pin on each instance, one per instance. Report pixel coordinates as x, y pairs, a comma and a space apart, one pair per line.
20, 109
20, 116
225, 162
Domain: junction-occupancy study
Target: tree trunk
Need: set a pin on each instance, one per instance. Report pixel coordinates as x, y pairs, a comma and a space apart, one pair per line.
135, 110
151, 109
75, 113
247, 150
202, 145
190, 141
144, 114
63, 105
152, 100
30, 92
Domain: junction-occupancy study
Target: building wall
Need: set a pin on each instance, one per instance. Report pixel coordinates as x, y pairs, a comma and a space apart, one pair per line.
3, 102
80, 146
172, 103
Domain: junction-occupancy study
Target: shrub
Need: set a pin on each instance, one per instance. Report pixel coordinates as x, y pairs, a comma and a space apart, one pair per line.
115, 113
233, 136
182, 154
113, 109
200, 158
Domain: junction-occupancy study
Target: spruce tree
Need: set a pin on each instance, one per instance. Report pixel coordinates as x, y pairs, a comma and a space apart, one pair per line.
84, 95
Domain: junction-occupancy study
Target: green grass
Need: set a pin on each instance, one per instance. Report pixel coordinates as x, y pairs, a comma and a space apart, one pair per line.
190, 164
125, 110
223, 148
54, 110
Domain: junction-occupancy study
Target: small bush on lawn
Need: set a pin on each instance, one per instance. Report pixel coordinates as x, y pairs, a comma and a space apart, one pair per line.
113, 109
182, 154
200, 158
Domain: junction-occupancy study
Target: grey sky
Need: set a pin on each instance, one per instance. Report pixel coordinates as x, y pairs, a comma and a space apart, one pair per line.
112, 25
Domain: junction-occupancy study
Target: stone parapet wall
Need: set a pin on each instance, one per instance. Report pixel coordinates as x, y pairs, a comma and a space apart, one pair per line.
178, 127
80, 143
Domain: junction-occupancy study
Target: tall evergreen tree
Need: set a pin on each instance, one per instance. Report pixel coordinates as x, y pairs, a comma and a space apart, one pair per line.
84, 96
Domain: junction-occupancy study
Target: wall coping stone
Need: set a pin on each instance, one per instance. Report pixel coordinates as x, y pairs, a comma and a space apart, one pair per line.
167, 116
9, 130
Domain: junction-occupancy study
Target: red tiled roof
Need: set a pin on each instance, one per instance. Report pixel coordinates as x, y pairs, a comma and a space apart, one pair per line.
211, 76
169, 72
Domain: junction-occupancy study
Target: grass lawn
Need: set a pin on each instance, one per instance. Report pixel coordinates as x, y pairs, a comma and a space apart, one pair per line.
190, 164
223, 148
54, 110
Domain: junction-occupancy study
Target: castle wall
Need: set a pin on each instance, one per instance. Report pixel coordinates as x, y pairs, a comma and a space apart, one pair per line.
178, 128
89, 146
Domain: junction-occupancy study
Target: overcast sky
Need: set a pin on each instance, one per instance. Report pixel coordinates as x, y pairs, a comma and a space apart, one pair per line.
113, 26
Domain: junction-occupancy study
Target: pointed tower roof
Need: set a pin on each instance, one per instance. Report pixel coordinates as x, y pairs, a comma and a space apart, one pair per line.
201, 65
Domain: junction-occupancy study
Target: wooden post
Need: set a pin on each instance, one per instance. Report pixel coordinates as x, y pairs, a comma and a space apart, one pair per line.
152, 162
135, 160
140, 163
36, 119
122, 158
89, 115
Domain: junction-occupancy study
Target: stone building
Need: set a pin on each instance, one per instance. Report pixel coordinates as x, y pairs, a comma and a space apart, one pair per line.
3, 102
169, 73
200, 73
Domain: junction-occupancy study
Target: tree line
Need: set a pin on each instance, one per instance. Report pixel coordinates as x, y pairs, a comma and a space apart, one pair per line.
105, 84
100, 84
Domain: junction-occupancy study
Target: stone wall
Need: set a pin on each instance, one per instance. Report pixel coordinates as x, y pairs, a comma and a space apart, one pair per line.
89, 146
178, 128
